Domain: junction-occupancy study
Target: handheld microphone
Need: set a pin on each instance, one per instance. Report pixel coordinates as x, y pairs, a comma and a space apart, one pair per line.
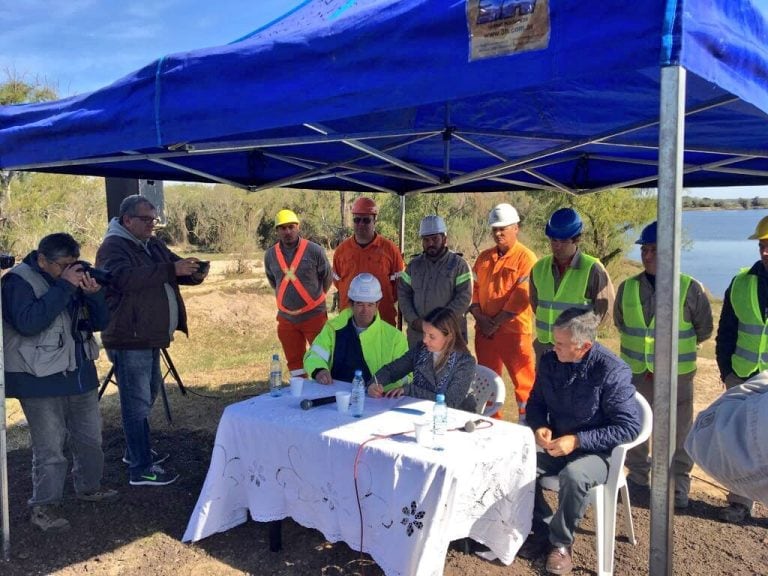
306, 404
471, 425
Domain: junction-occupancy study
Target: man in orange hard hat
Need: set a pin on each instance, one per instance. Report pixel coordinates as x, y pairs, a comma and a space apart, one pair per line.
300, 273
368, 251
741, 348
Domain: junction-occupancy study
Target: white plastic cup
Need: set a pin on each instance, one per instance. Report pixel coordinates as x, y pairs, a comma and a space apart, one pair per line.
422, 431
297, 384
342, 401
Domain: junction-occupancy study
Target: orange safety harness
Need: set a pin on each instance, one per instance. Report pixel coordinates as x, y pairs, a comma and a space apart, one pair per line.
289, 276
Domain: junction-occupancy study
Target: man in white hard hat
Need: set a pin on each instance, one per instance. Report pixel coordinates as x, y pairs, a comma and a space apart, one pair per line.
740, 347
436, 278
501, 304
357, 339
634, 315
368, 251
299, 272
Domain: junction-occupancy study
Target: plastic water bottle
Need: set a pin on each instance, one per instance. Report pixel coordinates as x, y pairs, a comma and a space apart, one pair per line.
439, 422
275, 376
357, 399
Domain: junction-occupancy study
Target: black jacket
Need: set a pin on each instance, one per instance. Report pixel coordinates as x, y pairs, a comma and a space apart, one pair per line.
137, 296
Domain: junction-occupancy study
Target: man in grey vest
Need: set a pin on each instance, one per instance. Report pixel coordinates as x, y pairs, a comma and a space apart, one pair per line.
435, 278
51, 307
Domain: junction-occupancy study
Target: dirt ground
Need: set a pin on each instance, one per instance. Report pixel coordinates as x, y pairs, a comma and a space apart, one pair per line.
140, 533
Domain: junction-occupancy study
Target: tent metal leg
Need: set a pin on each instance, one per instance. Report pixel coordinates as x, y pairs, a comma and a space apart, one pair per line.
671, 148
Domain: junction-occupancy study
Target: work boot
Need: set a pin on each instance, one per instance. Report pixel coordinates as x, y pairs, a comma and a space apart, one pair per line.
734, 513
101, 495
559, 560
46, 518
681, 500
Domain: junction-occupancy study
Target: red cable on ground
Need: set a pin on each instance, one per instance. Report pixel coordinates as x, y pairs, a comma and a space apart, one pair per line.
357, 492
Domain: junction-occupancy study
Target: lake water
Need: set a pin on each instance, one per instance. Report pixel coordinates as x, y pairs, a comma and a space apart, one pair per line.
717, 246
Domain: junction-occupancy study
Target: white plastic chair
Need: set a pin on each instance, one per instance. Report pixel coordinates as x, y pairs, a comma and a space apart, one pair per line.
489, 390
604, 496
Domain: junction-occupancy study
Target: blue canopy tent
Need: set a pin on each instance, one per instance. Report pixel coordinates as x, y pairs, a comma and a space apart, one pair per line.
447, 95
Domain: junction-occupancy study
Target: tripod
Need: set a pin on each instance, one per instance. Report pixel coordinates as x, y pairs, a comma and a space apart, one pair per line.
170, 368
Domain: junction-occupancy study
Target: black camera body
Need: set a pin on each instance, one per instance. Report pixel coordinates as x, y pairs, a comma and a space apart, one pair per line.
103, 277
203, 266
7, 261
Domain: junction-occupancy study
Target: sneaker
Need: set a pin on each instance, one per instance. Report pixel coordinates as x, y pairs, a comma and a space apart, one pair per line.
156, 458
559, 560
99, 495
734, 513
45, 518
156, 476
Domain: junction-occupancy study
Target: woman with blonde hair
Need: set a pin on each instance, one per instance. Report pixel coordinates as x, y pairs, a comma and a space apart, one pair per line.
441, 364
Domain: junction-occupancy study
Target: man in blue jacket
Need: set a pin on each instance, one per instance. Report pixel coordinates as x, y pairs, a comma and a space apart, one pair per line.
51, 307
582, 406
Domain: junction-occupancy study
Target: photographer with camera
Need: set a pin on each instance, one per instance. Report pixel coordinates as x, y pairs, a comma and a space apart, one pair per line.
146, 309
51, 307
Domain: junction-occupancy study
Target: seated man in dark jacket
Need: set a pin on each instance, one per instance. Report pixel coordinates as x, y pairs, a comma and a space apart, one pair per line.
582, 406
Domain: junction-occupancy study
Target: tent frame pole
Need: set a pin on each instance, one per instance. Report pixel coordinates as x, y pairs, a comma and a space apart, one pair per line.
671, 148
5, 527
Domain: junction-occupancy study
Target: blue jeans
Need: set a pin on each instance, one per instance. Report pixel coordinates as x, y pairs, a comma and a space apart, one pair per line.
139, 380
578, 472
53, 422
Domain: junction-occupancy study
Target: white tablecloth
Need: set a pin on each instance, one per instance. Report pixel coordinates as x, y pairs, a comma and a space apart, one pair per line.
274, 460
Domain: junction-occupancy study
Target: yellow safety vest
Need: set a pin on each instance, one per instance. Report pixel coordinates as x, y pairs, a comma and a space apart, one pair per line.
570, 293
751, 354
638, 340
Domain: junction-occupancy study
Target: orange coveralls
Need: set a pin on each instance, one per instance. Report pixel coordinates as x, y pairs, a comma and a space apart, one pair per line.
381, 258
501, 283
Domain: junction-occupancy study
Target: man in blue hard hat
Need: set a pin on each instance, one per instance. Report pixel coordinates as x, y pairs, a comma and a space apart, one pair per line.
568, 278
633, 314
741, 349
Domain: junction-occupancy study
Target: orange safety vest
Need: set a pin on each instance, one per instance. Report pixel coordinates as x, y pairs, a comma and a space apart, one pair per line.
289, 276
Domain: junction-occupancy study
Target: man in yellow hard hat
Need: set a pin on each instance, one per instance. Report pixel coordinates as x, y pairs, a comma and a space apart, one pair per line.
300, 273
368, 251
741, 347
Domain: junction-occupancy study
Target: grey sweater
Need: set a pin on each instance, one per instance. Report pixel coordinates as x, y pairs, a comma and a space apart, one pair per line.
454, 379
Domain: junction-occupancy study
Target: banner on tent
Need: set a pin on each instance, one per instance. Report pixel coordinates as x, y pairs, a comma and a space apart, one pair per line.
503, 27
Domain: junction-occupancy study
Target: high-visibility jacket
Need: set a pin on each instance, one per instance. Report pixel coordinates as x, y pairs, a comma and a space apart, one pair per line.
299, 276
290, 277
751, 354
638, 339
569, 294
381, 343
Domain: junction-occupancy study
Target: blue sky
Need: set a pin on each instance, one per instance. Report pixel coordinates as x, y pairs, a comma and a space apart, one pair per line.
78, 46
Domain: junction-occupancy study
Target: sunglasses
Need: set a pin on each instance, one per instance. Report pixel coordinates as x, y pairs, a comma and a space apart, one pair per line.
362, 219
